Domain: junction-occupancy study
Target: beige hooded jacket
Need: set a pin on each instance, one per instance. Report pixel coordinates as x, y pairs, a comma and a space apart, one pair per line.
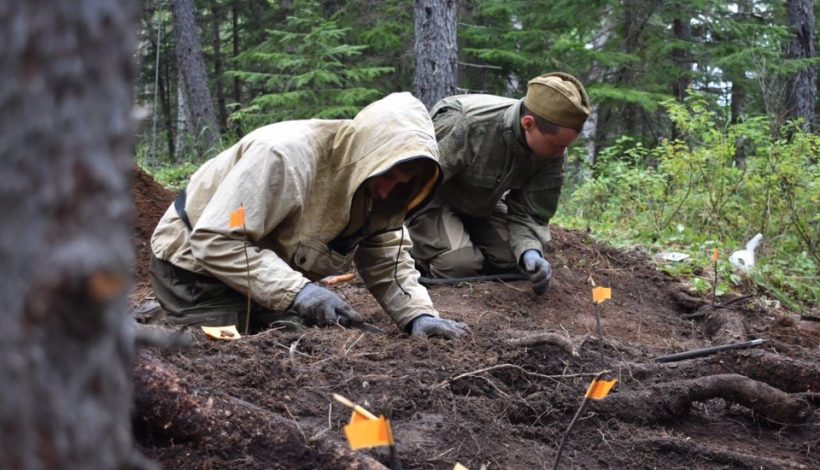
301, 186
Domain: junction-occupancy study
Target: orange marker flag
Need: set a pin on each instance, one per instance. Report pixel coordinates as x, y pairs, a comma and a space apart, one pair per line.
237, 218
598, 389
599, 294
363, 432
715, 255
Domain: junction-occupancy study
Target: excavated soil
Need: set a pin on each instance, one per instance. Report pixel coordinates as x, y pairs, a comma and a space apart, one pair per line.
496, 398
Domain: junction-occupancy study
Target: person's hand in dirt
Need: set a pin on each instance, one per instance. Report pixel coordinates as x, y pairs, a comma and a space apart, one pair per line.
321, 307
428, 325
539, 270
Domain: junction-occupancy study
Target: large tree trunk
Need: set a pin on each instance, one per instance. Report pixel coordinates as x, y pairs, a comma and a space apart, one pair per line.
436, 50
801, 94
65, 241
195, 78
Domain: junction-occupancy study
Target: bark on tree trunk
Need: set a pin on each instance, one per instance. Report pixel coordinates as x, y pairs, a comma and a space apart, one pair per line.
184, 127
436, 50
195, 79
801, 91
66, 153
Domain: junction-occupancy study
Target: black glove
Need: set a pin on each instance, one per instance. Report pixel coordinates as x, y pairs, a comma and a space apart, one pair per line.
539, 270
428, 325
320, 306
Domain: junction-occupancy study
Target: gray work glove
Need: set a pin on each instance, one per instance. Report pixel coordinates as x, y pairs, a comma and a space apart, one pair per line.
321, 307
539, 270
428, 325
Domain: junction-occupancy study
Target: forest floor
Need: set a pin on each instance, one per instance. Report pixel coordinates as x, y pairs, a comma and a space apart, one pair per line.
504, 396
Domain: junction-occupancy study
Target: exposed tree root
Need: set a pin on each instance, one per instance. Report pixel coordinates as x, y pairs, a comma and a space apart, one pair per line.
723, 326
668, 400
786, 373
723, 456
683, 298
544, 337
167, 408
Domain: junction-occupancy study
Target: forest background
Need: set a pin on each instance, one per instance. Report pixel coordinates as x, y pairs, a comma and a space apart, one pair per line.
703, 131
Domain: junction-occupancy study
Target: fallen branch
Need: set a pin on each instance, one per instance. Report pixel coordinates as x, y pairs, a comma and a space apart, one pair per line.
668, 400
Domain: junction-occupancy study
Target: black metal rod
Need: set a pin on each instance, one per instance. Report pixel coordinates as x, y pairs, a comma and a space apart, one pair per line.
706, 351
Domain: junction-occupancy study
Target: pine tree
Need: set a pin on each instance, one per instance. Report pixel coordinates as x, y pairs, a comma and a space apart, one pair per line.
306, 70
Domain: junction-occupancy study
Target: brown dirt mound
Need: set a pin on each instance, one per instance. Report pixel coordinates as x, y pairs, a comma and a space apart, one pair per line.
151, 200
504, 396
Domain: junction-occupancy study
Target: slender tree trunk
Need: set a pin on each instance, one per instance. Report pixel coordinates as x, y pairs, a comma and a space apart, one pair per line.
680, 55
216, 44
436, 50
165, 99
195, 79
66, 152
631, 17
801, 90
590, 129
237, 88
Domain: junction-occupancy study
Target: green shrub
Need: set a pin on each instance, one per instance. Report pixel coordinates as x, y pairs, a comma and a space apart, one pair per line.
690, 195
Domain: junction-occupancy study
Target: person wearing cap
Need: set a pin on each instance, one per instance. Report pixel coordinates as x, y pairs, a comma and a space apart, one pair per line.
317, 195
503, 162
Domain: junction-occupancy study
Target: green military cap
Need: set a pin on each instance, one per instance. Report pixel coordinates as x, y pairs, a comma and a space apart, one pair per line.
558, 98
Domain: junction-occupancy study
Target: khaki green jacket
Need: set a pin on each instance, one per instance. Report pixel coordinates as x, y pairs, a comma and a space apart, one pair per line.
301, 186
485, 158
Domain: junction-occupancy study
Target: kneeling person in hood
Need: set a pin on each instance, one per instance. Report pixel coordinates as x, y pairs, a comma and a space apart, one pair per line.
317, 196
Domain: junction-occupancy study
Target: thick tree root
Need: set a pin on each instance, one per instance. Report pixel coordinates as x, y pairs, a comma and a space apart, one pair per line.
714, 456
167, 408
786, 373
668, 400
544, 337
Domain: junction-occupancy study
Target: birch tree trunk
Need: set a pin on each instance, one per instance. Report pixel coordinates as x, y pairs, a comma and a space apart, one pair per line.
195, 78
436, 50
801, 89
66, 153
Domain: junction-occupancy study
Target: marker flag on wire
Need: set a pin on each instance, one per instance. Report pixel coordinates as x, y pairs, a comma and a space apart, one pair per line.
363, 432
599, 294
237, 218
599, 389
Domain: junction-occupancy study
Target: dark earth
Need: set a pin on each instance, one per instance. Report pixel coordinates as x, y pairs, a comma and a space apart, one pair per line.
503, 397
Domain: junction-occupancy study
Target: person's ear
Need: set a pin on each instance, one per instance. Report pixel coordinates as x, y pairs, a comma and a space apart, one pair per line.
527, 122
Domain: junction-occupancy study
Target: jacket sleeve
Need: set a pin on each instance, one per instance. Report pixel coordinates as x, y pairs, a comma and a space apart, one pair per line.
270, 188
452, 136
377, 258
530, 209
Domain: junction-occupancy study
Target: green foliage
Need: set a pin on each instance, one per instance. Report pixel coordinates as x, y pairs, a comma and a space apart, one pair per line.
305, 70
690, 195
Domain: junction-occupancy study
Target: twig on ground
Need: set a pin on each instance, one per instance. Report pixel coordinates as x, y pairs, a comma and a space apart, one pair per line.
512, 366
